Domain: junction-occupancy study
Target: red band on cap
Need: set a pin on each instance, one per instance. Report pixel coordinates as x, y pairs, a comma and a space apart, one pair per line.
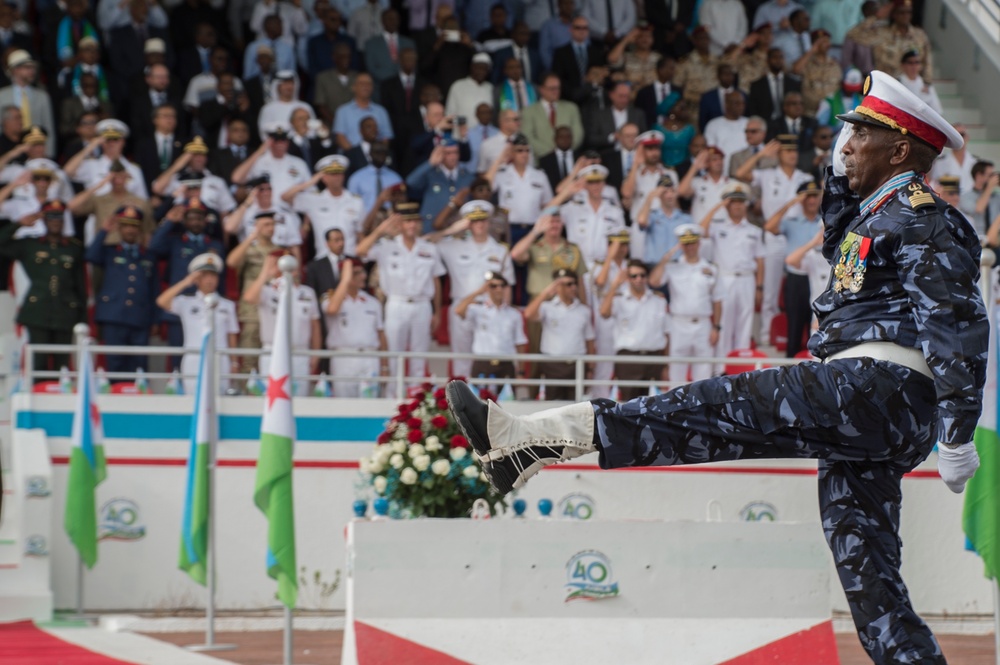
901, 119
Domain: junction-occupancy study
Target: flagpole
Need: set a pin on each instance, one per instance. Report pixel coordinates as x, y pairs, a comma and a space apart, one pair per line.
82, 333
211, 377
288, 265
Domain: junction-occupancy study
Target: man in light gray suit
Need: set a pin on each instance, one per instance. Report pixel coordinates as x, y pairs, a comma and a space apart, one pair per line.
36, 108
382, 51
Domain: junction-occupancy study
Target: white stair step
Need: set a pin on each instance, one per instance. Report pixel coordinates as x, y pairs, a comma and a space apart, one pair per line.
988, 150
946, 87
976, 132
969, 116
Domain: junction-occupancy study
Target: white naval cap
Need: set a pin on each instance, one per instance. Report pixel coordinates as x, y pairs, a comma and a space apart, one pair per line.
687, 233
207, 261
477, 210
593, 173
112, 129
332, 164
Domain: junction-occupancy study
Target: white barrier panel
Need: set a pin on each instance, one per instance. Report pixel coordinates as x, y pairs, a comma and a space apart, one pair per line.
141, 501
518, 591
26, 531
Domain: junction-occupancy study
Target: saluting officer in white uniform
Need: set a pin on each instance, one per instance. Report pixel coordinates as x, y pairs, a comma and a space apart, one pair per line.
739, 256
604, 274
590, 219
567, 330
333, 208
498, 329
468, 253
203, 273
695, 306
354, 323
410, 271
265, 292
647, 172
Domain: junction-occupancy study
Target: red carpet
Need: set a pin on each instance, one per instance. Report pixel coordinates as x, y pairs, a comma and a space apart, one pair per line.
22, 643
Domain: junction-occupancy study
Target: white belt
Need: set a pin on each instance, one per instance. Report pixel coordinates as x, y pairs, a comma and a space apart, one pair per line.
407, 299
889, 352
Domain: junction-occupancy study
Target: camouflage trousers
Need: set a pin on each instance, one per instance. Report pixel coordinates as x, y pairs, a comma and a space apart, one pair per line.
868, 422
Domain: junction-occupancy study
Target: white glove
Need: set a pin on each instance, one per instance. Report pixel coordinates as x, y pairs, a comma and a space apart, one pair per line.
838, 158
957, 465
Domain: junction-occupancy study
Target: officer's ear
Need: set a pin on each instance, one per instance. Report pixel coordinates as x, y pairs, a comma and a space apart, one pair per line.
899, 151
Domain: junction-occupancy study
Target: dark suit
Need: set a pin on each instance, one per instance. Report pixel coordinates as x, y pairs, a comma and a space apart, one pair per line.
601, 123
222, 161
760, 102
321, 279
550, 166
317, 149
148, 157
565, 66
422, 145
126, 57
70, 111
501, 57
141, 106
212, 115
357, 160
806, 128
710, 107
188, 64
645, 101
405, 122
254, 87
658, 13
448, 64
612, 160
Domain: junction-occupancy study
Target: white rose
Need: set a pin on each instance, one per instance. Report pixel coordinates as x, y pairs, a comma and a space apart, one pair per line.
416, 450
441, 467
382, 454
433, 444
458, 453
471, 472
376, 466
399, 446
482, 477
380, 483
408, 476
422, 462
396, 461
364, 465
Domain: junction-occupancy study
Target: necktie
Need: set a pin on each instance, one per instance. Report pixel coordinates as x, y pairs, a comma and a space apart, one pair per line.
164, 157
611, 16
581, 61
565, 164
306, 152
204, 60
378, 180
525, 64
485, 132
408, 87
25, 108
520, 95
802, 43
628, 163
392, 48
552, 114
778, 92
140, 32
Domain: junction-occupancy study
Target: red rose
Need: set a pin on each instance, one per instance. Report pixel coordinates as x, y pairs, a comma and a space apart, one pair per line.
440, 422
415, 436
486, 394
399, 418
459, 378
383, 437
405, 409
442, 404
427, 386
439, 393
414, 405
414, 423
459, 441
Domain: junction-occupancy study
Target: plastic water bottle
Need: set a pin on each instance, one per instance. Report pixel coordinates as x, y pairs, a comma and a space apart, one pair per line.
103, 385
141, 382
175, 386
65, 383
506, 394
493, 386
322, 387
541, 392
254, 386
368, 388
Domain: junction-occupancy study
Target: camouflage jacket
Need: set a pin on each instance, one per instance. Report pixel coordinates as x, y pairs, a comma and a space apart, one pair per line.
907, 272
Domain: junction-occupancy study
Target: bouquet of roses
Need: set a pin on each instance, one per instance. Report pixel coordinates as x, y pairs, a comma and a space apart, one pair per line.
421, 462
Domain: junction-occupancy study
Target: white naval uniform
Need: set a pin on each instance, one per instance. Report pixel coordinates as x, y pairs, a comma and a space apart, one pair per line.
693, 289
285, 173
93, 170
326, 211
707, 193
776, 189
192, 312
604, 329
406, 277
287, 224
589, 229
645, 182
523, 197
467, 263
497, 331
304, 312
566, 329
738, 246
640, 324
214, 193
356, 326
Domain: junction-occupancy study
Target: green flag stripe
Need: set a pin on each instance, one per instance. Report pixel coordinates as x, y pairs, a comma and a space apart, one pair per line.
981, 515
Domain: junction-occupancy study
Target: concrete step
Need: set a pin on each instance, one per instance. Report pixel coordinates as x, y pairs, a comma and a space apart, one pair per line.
946, 87
989, 150
976, 132
966, 115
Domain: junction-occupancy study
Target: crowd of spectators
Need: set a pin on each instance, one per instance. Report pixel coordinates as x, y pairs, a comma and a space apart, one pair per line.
555, 176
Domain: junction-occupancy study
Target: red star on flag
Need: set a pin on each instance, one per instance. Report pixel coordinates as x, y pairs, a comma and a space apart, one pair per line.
276, 389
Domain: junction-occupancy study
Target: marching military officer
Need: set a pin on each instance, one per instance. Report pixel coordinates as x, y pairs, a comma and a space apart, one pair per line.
57, 298
567, 329
498, 328
467, 258
739, 255
410, 271
333, 208
181, 237
265, 293
193, 312
591, 218
695, 305
354, 323
125, 303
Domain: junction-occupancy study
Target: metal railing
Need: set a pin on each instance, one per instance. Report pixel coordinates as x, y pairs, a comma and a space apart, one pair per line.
399, 380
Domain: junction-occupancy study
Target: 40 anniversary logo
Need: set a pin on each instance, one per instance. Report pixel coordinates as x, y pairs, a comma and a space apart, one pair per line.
589, 577
119, 520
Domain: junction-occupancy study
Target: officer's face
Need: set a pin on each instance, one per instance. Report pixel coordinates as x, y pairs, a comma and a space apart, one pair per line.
567, 288
264, 196
334, 182
521, 154
691, 249
450, 159
411, 227
335, 243
129, 233
669, 197
279, 148
265, 227
595, 188
810, 205
637, 279
194, 222
113, 148
496, 291
737, 209
206, 281
41, 183
54, 224
866, 162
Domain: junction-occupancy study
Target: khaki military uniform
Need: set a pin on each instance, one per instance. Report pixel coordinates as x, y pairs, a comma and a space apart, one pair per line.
891, 44
696, 74
821, 78
248, 315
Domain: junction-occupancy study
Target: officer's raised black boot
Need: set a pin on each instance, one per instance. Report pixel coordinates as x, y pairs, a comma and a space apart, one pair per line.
511, 449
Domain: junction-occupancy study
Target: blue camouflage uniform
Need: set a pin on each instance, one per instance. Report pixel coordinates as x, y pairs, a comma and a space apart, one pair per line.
434, 189
126, 302
173, 243
906, 270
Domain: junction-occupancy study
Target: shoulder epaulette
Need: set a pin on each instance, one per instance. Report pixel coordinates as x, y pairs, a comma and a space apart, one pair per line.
920, 197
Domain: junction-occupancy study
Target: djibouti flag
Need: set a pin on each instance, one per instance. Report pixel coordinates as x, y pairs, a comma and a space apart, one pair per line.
86, 465
273, 488
194, 524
